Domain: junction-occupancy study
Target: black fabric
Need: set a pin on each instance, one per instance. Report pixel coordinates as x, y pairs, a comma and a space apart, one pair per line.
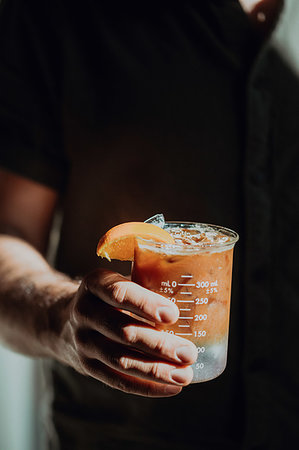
31, 142
135, 108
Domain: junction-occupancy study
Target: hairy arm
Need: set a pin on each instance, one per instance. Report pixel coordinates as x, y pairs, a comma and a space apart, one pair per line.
33, 298
30, 290
43, 313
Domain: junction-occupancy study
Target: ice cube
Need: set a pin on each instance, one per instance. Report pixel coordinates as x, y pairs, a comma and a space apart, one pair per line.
157, 219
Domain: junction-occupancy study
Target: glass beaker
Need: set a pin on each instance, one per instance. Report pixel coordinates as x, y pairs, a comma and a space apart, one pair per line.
196, 274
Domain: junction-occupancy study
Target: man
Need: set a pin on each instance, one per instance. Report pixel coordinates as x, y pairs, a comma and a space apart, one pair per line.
112, 112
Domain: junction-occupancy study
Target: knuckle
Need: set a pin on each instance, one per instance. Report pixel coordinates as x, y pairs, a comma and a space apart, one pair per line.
118, 291
162, 345
155, 370
143, 303
79, 311
85, 363
129, 334
90, 367
75, 313
80, 338
91, 280
124, 363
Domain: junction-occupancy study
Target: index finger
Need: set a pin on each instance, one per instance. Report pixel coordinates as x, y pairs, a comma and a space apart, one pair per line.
121, 293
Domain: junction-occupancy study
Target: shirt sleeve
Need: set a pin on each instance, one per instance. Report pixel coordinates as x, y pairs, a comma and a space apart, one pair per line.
31, 142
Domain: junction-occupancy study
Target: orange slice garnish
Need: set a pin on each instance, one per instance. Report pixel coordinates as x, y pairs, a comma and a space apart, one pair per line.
119, 241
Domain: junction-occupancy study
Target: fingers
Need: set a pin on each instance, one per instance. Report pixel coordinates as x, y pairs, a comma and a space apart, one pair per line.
126, 383
94, 346
128, 331
121, 293
122, 351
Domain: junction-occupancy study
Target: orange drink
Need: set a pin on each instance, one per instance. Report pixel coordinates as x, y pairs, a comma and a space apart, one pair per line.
195, 273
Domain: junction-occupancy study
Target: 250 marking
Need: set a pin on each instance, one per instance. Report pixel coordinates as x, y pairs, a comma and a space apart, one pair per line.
201, 301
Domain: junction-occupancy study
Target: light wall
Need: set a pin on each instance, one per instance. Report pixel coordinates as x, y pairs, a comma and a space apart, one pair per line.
19, 409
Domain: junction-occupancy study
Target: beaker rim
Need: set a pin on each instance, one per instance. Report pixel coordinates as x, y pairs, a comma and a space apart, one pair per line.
200, 247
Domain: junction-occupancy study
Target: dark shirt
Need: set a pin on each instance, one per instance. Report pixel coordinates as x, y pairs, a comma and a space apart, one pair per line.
130, 109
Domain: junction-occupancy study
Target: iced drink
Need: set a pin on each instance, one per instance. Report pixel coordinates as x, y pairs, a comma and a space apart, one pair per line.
195, 273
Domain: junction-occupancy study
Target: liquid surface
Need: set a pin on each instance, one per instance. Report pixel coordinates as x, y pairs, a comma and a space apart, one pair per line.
201, 235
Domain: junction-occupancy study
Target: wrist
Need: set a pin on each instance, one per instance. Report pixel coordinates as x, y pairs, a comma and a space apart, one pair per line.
54, 333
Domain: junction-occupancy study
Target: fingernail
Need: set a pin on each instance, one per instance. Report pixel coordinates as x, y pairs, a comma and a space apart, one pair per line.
172, 390
185, 354
181, 376
166, 314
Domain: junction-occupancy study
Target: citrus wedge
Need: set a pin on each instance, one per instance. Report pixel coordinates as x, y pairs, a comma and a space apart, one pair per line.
119, 241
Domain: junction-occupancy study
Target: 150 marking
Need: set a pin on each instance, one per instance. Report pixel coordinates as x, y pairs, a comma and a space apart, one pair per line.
201, 333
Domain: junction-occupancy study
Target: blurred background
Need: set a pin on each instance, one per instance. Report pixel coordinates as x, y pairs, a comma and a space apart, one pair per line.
24, 392
21, 415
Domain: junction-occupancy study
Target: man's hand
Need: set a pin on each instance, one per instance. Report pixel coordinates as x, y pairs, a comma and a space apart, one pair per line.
109, 344
44, 314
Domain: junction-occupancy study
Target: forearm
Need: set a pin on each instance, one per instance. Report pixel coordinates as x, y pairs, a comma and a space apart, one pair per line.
33, 300
45, 314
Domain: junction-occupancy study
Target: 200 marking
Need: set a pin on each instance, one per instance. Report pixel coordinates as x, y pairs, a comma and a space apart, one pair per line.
200, 317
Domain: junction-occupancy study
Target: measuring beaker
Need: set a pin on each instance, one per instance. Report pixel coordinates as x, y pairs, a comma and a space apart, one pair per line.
195, 273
